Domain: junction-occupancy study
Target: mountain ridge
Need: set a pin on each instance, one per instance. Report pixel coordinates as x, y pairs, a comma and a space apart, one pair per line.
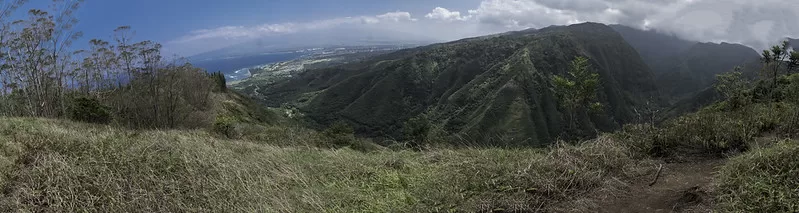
483, 95
685, 68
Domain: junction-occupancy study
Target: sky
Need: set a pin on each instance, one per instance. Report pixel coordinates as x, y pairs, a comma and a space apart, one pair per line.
189, 27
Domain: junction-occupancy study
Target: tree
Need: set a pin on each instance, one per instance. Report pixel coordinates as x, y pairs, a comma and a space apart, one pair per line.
577, 90
35, 56
42, 76
793, 61
732, 85
774, 59
8, 83
126, 51
219, 79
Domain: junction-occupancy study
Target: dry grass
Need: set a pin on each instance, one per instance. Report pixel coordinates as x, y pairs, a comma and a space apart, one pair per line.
52, 165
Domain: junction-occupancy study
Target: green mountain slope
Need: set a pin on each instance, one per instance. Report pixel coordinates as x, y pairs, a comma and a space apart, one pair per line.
653, 46
696, 68
486, 89
683, 68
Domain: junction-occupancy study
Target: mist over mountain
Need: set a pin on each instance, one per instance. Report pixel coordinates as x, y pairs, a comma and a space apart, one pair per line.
683, 68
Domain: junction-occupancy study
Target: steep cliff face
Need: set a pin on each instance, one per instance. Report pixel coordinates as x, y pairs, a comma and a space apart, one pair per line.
494, 89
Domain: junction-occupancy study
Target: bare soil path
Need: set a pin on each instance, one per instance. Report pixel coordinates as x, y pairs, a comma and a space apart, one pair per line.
682, 187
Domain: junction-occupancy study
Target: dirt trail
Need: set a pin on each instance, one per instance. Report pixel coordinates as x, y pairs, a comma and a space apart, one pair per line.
682, 187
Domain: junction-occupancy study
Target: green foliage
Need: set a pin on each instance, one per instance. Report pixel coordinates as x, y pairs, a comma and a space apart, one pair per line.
219, 80
788, 88
763, 180
341, 135
733, 87
580, 87
731, 84
225, 126
578, 91
715, 130
793, 61
494, 90
774, 59
90, 110
174, 96
339, 128
416, 130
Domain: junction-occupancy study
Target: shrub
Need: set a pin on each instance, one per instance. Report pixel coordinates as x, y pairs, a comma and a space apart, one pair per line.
89, 110
643, 140
338, 135
761, 181
225, 126
341, 135
416, 131
713, 130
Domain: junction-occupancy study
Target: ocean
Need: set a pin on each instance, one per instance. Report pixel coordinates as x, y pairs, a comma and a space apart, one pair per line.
229, 66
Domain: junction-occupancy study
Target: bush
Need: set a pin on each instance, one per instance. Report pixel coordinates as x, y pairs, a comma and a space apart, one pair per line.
643, 140
338, 135
225, 126
341, 135
416, 131
89, 110
761, 181
713, 130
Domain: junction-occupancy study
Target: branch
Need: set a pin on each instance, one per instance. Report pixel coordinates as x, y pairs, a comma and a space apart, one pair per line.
657, 176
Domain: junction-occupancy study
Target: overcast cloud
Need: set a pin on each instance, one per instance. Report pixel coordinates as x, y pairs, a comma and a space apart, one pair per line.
756, 23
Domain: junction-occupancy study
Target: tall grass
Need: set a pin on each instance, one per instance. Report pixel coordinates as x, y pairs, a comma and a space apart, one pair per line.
713, 131
763, 180
51, 165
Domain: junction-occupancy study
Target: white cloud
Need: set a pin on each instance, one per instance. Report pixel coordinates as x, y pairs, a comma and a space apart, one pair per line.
244, 32
521, 14
397, 16
756, 23
752, 22
443, 14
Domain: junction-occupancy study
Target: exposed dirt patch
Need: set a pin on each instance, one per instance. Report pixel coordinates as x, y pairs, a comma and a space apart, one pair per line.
682, 187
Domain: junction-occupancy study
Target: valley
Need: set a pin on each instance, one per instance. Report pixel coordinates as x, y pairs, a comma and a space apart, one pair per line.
452, 111
455, 85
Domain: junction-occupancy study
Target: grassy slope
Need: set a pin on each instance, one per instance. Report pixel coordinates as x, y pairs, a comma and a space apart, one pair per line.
65, 166
53, 165
763, 180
